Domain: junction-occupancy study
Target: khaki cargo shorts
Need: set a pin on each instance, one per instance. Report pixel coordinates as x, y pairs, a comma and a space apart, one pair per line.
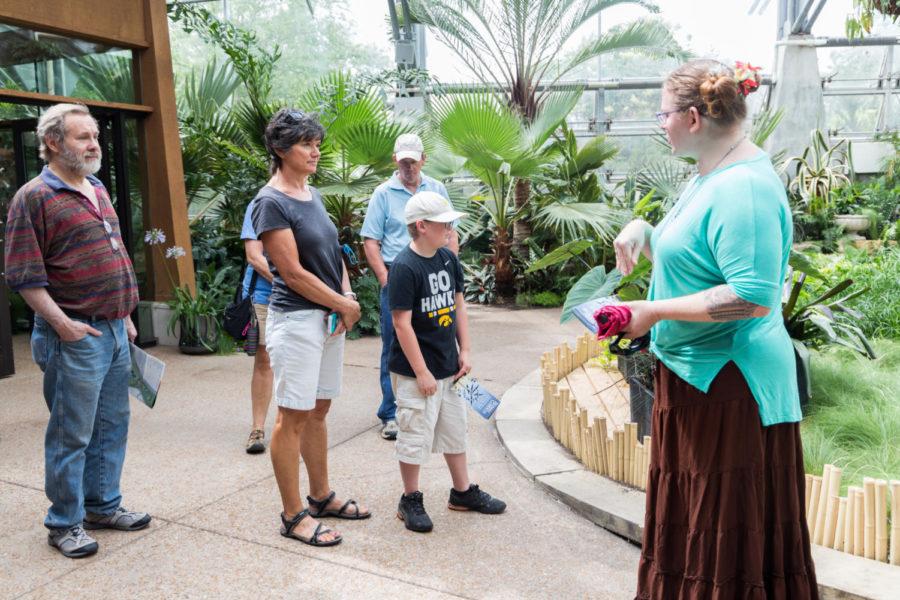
433, 424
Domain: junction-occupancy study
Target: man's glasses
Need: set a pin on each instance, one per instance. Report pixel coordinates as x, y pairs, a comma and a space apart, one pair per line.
296, 115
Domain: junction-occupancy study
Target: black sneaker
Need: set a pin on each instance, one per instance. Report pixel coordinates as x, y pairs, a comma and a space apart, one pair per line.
477, 500
412, 512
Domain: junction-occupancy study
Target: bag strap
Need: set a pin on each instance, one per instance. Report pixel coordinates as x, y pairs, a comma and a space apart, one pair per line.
239, 292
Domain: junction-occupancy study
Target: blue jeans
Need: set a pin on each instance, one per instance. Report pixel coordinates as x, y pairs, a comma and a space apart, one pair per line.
388, 409
86, 390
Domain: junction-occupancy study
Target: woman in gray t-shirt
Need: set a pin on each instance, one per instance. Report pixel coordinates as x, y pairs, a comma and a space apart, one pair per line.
305, 343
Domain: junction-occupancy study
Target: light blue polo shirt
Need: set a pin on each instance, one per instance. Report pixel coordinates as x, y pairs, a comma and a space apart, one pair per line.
731, 226
263, 289
385, 219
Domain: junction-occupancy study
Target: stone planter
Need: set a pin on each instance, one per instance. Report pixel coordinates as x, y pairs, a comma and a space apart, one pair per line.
852, 225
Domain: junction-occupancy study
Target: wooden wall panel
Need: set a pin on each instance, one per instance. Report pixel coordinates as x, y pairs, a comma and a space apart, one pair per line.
164, 193
118, 22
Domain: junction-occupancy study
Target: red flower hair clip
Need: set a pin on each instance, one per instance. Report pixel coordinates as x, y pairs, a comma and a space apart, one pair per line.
747, 77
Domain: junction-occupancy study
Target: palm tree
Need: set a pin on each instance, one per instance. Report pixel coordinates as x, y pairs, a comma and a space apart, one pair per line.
499, 150
518, 45
358, 146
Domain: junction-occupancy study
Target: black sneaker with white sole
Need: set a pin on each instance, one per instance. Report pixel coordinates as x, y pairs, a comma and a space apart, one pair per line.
412, 512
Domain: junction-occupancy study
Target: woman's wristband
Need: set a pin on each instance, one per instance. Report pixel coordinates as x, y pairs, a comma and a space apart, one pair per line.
351, 294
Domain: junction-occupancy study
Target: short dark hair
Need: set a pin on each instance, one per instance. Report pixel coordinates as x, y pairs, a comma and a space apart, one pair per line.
413, 230
287, 127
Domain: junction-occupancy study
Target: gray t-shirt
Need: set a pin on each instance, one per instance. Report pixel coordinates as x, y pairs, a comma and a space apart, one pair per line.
316, 237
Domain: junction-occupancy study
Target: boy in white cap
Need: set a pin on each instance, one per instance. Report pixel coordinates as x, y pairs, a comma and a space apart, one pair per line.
425, 291
385, 235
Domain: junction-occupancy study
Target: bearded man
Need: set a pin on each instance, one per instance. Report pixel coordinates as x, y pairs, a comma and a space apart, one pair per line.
65, 256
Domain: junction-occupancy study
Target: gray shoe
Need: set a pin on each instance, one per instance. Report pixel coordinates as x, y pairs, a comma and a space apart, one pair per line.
122, 519
256, 443
73, 542
389, 430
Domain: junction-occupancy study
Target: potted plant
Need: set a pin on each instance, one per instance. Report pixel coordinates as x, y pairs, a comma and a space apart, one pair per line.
821, 170
819, 320
195, 313
848, 212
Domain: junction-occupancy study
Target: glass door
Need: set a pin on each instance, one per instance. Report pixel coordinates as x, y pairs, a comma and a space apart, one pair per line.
19, 162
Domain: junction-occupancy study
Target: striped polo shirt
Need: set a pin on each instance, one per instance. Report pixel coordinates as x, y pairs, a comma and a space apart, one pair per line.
55, 238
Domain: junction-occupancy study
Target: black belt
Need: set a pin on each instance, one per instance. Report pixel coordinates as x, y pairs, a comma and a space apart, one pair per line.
74, 314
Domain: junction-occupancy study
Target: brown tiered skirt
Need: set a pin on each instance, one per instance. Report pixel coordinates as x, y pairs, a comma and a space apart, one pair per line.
725, 498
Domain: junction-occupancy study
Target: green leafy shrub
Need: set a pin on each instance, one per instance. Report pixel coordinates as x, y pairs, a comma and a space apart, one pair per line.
546, 298
879, 272
368, 293
853, 418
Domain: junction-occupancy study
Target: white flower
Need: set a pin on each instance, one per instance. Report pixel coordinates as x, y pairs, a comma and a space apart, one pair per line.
154, 237
175, 252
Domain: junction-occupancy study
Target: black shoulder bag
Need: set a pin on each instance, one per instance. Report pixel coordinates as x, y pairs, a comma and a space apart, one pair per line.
239, 314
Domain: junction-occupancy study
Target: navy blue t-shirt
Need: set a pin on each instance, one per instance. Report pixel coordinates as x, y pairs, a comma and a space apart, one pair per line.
427, 287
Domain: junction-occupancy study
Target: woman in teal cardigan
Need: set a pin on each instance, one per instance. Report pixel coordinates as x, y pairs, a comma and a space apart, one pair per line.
725, 497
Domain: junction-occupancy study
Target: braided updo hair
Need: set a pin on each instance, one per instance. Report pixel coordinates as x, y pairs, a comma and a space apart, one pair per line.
709, 86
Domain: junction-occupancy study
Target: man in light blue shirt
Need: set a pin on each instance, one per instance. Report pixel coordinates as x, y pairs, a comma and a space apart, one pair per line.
385, 234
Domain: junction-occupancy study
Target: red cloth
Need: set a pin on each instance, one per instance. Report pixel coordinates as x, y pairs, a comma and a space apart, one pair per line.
611, 320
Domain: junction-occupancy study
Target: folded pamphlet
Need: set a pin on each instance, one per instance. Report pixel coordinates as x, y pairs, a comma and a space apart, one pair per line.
146, 376
585, 312
484, 402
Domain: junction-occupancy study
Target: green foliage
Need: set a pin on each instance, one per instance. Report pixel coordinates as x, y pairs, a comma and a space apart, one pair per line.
853, 419
860, 21
198, 313
596, 283
500, 151
368, 292
821, 169
479, 283
879, 272
520, 42
356, 152
560, 255
546, 298
826, 317
569, 202
253, 64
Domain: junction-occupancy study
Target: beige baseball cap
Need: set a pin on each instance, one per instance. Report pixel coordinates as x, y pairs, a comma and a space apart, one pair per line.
430, 206
409, 145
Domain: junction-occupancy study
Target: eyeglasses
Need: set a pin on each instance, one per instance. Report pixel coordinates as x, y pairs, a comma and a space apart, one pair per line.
447, 225
296, 115
662, 116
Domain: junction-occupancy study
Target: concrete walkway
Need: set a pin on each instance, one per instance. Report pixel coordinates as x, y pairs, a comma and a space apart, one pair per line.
215, 508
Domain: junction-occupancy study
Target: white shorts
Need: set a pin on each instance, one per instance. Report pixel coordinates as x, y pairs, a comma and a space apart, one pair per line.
307, 362
430, 424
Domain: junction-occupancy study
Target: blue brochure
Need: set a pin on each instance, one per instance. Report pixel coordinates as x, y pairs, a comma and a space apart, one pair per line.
585, 312
484, 402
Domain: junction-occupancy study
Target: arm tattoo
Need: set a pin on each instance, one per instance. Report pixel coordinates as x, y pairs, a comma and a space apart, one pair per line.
722, 304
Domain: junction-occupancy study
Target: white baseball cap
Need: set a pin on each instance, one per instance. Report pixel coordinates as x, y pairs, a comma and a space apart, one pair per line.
430, 206
409, 145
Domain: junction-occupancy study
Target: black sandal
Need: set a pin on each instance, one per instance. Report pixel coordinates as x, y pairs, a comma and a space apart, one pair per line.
287, 530
319, 507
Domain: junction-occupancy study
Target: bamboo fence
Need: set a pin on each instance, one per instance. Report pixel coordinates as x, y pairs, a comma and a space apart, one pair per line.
857, 524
